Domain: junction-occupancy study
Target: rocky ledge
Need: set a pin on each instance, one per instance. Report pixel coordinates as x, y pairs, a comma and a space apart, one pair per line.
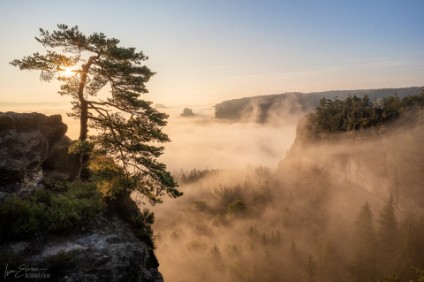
26, 140
107, 248
106, 251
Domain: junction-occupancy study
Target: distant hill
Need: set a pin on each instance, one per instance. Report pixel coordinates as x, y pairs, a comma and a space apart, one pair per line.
261, 108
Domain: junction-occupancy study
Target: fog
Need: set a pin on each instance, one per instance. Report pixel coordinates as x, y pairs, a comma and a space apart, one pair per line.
276, 202
203, 142
256, 208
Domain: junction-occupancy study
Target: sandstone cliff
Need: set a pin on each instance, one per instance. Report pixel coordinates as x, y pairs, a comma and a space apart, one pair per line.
100, 246
377, 161
26, 140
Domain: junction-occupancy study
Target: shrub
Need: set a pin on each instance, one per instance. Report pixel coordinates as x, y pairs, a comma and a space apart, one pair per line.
110, 178
54, 212
76, 207
20, 218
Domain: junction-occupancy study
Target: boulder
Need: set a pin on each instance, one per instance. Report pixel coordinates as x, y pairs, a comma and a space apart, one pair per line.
60, 164
26, 140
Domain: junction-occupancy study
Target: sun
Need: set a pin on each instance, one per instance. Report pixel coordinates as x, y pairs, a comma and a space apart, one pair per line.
67, 72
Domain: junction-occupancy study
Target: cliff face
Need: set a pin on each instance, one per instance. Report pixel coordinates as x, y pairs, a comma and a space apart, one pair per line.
26, 140
106, 248
377, 161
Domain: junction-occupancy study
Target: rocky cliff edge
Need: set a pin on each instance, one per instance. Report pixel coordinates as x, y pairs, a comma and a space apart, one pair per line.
104, 248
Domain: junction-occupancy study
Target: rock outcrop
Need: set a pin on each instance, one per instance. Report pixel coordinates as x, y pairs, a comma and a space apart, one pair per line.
26, 140
378, 161
60, 164
105, 249
108, 250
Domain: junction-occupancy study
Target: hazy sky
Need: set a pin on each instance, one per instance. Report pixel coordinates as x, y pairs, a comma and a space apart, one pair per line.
208, 51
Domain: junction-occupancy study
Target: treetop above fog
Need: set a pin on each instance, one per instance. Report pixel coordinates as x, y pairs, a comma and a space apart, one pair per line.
355, 113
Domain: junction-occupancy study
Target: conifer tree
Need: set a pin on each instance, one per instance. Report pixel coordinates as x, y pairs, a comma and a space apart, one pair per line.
363, 264
388, 238
125, 126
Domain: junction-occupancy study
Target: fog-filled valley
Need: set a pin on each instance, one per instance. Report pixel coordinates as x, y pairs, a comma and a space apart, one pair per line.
204, 142
212, 141
283, 201
331, 191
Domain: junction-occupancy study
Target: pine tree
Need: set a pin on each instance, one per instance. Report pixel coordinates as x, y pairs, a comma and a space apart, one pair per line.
125, 126
388, 235
363, 264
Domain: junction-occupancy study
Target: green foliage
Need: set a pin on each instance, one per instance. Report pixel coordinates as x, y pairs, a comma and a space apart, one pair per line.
355, 113
110, 178
71, 210
127, 128
194, 175
80, 147
264, 106
53, 185
21, 218
48, 211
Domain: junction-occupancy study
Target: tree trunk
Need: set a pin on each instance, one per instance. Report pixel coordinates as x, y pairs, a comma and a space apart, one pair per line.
83, 120
83, 157
83, 104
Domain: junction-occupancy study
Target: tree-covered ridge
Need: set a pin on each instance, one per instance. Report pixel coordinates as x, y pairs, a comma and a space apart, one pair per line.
261, 107
355, 113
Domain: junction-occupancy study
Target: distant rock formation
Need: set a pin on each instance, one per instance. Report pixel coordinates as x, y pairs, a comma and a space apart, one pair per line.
187, 112
26, 141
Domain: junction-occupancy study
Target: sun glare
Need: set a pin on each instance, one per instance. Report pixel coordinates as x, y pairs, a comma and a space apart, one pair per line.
67, 72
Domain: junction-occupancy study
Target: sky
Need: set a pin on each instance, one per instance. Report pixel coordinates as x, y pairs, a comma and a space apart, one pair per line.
204, 52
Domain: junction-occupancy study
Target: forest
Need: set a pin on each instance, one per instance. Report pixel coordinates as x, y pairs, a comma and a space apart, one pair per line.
255, 224
254, 231
261, 108
355, 113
